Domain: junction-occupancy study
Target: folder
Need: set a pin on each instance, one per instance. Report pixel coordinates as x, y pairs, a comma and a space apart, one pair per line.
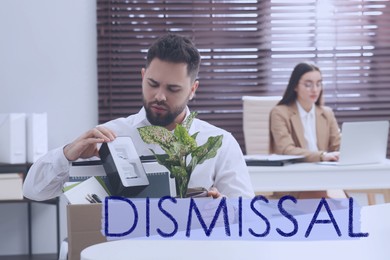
82, 170
272, 159
13, 138
160, 182
37, 139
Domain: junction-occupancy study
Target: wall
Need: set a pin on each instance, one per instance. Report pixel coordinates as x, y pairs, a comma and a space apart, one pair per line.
47, 64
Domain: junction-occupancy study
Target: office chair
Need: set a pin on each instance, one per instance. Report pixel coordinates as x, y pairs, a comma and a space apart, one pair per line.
372, 195
256, 125
256, 122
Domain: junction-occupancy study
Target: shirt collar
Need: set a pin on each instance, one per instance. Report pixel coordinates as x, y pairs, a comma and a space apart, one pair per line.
303, 113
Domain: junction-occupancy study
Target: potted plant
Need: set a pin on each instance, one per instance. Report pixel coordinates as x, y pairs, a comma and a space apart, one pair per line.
182, 153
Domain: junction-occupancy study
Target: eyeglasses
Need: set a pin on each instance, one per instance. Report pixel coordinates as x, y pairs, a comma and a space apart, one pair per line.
310, 84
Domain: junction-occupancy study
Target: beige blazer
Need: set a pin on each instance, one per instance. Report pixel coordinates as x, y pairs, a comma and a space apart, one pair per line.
287, 134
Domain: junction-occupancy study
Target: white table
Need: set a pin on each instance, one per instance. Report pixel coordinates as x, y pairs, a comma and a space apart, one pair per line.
376, 246
313, 176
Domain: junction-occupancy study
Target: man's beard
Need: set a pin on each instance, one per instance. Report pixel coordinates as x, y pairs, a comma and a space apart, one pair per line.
162, 120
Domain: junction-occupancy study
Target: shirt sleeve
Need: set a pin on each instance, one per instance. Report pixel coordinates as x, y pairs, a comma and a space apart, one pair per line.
335, 137
47, 176
232, 178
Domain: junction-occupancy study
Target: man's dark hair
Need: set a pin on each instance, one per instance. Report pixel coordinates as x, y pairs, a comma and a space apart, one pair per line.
177, 49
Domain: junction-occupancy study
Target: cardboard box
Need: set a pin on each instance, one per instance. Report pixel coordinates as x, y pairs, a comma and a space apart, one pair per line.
85, 220
11, 185
84, 228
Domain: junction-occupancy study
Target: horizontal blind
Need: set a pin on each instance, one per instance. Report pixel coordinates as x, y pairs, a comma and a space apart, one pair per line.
250, 48
348, 40
227, 34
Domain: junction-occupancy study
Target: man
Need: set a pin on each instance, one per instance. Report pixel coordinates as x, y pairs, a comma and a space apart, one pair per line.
168, 83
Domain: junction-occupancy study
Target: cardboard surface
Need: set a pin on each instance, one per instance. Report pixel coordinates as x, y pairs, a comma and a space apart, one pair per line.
85, 220
11, 185
84, 225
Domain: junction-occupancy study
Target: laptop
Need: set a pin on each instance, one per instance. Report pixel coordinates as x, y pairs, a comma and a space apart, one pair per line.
363, 143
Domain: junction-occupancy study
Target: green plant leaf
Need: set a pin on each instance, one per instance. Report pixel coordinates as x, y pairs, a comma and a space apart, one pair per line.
207, 150
157, 135
178, 146
179, 150
195, 135
181, 178
192, 164
166, 161
188, 122
184, 138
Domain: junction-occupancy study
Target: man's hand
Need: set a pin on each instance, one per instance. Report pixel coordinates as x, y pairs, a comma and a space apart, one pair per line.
213, 192
211, 206
85, 146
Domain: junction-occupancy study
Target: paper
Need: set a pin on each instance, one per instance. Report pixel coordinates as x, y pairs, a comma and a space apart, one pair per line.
88, 191
273, 157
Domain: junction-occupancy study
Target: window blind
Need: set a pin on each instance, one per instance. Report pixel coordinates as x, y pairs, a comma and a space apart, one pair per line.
227, 34
349, 40
250, 47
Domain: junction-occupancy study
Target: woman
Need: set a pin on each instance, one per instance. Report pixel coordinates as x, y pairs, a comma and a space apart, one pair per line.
301, 125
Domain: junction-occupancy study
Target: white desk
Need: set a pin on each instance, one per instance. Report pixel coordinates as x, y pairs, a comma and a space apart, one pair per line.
376, 246
312, 176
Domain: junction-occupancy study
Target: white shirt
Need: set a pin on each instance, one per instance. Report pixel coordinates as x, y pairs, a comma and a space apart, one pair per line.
227, 171
309, 125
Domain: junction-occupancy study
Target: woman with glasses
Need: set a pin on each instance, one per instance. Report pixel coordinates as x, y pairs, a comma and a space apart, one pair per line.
301, 125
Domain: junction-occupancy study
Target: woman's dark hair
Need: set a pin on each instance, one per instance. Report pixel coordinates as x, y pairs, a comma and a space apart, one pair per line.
290, 95
177, 49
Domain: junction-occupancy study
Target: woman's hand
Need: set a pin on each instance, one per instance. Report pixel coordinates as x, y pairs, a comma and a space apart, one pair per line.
332, 156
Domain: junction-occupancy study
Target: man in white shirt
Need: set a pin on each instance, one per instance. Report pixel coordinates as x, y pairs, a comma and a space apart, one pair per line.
168, 83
